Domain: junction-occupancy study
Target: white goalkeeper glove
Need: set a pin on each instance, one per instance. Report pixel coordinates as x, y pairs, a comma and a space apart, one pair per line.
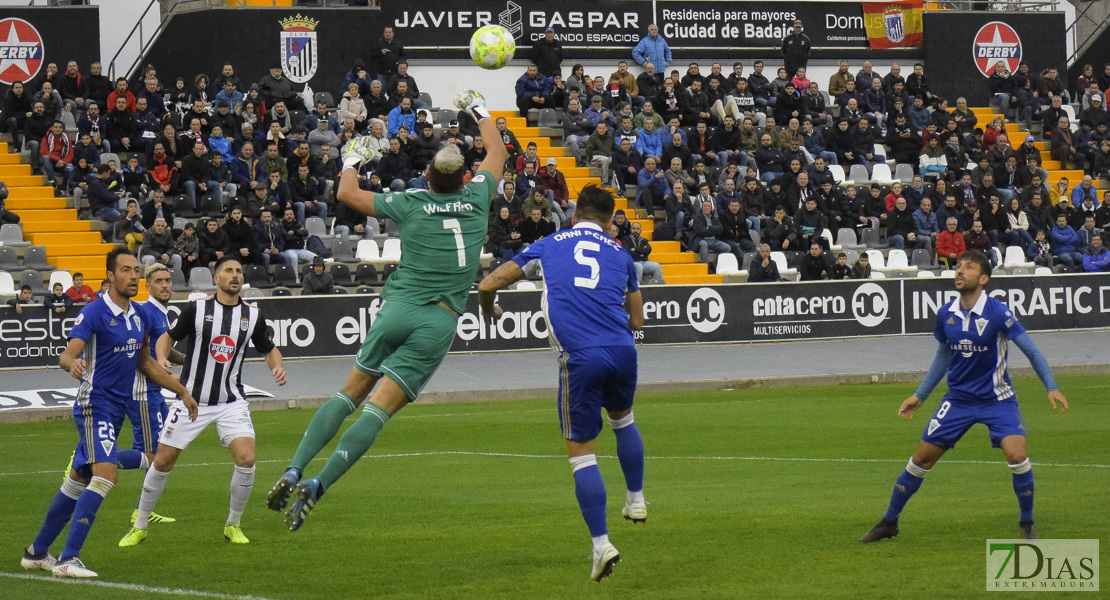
472, 102
356, 153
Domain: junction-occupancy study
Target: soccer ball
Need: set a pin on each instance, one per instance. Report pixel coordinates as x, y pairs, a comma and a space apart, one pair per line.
492, 47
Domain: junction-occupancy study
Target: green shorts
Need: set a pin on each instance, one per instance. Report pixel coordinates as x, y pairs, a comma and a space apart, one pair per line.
406, 343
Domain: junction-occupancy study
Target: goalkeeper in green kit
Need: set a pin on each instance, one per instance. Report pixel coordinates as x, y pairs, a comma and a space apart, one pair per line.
442, 232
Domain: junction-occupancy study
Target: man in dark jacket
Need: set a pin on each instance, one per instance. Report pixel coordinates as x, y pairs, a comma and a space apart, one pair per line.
387, 52
763, 269
814, 267
269, 239
547, 54
103, 204
99, 85
394, 167
72, 85
316, 281
795, 49
274, 88
900, 226
196, 175
810, 223
734, 229
707, 228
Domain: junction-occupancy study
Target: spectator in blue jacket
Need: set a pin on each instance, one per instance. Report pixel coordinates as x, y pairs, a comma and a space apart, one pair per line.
1065, 242
927, 227
402, 114
814, 140
532, 91
1097, 259
246, 169
597, 112
649, 141
651, 186
653, 49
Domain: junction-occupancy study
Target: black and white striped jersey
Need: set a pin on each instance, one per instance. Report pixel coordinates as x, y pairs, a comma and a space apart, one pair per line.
218, 336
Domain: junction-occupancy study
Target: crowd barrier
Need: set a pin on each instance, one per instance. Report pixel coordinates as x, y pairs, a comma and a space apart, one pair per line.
334, 326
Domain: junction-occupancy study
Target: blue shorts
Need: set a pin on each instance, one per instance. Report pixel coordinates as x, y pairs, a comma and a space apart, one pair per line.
953, 419
590, 380
147, 418
96, 434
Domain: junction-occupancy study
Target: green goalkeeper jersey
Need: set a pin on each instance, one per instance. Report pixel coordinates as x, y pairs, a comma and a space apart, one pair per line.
441, 241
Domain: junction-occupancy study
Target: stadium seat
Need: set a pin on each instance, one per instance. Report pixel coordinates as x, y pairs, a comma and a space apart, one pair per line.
200, 278
878, 275
780, 262
838, 174
281, 292
182, 206
827, 235
34, 279
858, 174
1014, 258
9, 260
11, 234
341, 273
69, 121
61, 276
852, 256
526, 285
253, 293
881, 173
846, 238
373, 227
997, 255
747, 262
194, 296
177, 277
870, 238
317, 227
727, 264
877, 260
326, 98
211, 205
365, 290
755, 237
7, 284
339, 290
179, 223
427, 99
285, 275
257, 276
896, 260
341, 251
107, 156
926, 274
388, 270
1019, 271
367, 251
366, 274
548, 118
903, 172
1043, 271
922, 259
35, 258
391, 251
445, 116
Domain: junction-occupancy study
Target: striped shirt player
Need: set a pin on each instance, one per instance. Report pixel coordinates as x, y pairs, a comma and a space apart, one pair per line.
218, 329
973, 334
107, 345
442, 230
592, 302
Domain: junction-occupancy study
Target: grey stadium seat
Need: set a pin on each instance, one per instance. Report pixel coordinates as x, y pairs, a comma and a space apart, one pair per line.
11, 234
35, 258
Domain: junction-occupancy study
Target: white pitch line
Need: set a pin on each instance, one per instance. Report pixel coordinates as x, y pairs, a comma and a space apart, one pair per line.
134, 587
560, 456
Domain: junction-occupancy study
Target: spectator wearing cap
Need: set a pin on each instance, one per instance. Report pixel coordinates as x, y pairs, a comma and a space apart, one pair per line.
1095, 111
554, 181
452, 135
547, 54
597, 112
795, 49
275, 88
321, 113
533, 90
316, 281
357, 75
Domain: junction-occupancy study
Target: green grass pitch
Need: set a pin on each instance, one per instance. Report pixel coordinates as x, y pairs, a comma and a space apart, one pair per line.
758, 493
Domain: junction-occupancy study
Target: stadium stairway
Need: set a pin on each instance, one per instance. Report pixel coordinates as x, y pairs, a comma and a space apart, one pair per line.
678, 267
71, 244
1016, 133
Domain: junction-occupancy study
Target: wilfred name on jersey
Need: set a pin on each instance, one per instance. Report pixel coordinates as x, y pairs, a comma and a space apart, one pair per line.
432, 208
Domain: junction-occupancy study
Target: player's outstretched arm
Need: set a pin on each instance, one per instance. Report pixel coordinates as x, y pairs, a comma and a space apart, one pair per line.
274, 361
71, 360
1040, 366
496, 154
350, 194
159, 375
502, 277
634, 306
909, 407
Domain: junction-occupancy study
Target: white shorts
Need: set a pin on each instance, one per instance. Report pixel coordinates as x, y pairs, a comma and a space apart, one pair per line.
232, 421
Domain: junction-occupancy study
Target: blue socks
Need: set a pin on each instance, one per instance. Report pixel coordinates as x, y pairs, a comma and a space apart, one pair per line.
61, 509
630, 451
590, 491
908, 483
84, 514
1023, 487
132, 459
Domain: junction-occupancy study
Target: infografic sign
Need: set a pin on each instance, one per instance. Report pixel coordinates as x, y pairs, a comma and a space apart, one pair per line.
330, 326
595, 25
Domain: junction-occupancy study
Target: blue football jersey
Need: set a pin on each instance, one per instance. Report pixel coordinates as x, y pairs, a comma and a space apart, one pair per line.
978, 343
586, 276
113, 338
155, 314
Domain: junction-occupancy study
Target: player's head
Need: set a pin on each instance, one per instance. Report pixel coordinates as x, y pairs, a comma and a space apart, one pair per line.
123, 271
595, 205
445, 172
229, 275
973, 271
159, 283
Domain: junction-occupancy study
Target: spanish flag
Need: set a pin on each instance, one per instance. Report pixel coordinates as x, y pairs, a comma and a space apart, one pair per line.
893, 24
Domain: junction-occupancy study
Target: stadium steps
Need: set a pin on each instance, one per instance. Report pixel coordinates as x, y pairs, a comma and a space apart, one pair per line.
71, 244
1056, 171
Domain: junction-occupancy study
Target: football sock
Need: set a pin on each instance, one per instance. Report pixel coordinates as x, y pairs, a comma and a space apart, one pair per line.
908, 483
242, 482
589, 488
630, 453
355, 442
1023, 487
325, 424
132, 459
153, 485
61, 509
84, 514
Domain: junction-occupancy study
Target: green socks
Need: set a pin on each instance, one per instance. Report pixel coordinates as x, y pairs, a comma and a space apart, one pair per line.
355, 442
325, 424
